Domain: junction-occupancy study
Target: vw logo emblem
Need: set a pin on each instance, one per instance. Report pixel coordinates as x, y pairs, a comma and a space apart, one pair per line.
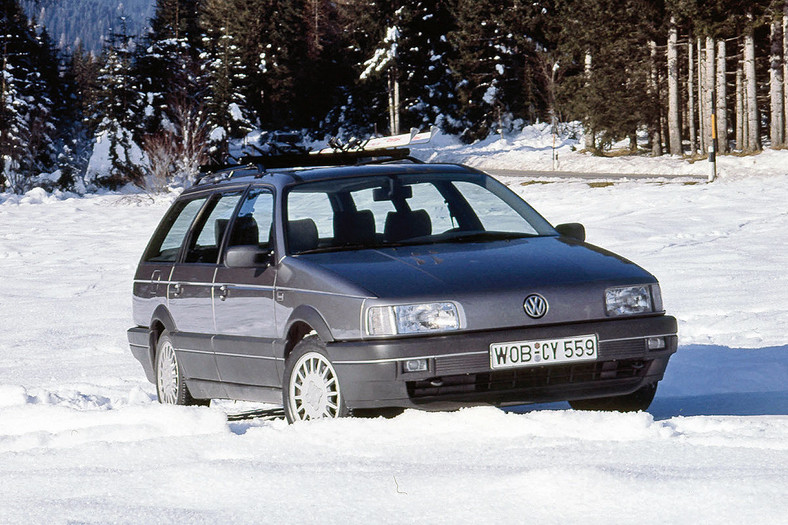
535, 306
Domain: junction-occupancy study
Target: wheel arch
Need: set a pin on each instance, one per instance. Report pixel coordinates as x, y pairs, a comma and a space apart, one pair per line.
161, 320
303, 321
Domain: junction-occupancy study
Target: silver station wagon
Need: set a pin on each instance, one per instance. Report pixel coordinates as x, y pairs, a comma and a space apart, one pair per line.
369, 282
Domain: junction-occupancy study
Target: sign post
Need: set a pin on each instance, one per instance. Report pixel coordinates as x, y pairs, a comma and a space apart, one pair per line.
713, 146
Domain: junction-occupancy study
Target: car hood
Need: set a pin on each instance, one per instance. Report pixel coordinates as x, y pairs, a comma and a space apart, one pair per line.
490, 279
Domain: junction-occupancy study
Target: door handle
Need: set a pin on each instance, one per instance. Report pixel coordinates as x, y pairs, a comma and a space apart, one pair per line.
155, 278
223, 291
176, 290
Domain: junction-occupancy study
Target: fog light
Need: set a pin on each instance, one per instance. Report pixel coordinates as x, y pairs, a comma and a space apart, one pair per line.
656, 343
415, 365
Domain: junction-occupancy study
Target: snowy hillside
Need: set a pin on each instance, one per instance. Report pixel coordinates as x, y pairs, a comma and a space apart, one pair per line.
82, 439
88, 22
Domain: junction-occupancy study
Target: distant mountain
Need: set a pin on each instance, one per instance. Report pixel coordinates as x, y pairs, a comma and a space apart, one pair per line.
88, 21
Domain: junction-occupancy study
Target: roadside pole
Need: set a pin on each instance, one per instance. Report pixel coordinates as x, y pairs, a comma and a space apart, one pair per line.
554, 127
713, 146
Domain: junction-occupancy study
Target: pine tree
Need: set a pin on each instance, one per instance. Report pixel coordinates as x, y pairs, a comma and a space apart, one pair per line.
614, 99
411, 60
117, 113
174, 85
502, 70
26, 120
168, 63
227, 111
483, 62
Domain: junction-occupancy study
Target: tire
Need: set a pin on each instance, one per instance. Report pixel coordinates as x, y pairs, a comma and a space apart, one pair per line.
637, 401
311, 387
170, 386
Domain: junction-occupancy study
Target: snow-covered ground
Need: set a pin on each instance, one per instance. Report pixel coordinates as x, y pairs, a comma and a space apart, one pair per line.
82, 439
534, 148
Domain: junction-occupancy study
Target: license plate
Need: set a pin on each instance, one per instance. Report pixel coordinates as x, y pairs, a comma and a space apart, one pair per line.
543, 352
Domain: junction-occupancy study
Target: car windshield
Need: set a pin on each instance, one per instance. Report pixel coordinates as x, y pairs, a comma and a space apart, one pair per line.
406, 209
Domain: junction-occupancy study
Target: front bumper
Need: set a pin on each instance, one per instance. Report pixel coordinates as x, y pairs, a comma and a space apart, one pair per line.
371, 372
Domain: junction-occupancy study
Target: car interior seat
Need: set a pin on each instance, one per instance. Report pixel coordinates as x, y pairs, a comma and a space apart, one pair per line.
402, 225
302, 235
354, 228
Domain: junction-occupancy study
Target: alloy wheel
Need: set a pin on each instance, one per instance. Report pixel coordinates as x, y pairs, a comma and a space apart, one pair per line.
314, 389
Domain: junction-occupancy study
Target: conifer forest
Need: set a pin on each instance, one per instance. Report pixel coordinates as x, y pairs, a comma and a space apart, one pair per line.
173, 92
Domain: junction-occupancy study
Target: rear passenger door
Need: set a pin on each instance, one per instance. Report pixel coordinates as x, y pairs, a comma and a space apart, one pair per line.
153, 273
244, 300
190, 289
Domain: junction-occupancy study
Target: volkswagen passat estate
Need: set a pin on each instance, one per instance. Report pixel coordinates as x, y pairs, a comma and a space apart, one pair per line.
385, 283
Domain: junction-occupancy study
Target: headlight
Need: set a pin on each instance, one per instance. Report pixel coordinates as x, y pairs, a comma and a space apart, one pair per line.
412, 318
628, 300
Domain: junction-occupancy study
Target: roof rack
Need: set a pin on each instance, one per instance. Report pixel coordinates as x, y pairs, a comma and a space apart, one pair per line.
355, 152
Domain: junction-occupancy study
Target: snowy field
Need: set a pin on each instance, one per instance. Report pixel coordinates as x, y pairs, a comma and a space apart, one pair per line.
82, 439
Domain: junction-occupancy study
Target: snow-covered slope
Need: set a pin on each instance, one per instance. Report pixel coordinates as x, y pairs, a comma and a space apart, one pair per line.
82, 439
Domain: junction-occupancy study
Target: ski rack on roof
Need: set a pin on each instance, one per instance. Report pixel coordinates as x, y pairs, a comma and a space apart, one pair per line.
372, 151
379, 143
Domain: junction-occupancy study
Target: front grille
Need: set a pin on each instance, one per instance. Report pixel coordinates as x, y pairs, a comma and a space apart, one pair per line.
523, 379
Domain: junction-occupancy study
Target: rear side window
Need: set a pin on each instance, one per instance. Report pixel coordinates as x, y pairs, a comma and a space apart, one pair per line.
168, 239
208, 234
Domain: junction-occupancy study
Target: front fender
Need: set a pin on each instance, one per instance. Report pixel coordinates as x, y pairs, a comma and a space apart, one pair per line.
309, 315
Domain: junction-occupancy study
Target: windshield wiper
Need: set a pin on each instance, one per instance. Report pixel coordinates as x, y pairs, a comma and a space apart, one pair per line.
487, 236
340, 248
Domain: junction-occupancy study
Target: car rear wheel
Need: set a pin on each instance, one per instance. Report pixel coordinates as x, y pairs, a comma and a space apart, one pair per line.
311, 389
170, 386
635, 402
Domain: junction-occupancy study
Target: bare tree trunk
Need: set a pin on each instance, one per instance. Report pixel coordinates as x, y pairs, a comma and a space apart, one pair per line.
393, 93
708, 90
691, 97
750, 89
785, 71
777, 128
741, 120
590, 140
702, 111
722, 98
655, 131
674, 113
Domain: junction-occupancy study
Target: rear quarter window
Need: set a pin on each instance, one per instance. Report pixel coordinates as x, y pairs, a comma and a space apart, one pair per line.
169, 237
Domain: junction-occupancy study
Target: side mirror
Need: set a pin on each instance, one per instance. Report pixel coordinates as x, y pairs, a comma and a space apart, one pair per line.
247, 257
573, 230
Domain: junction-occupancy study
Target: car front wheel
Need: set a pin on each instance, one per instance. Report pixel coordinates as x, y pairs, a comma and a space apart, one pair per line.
311, 389
170, 386
635, 402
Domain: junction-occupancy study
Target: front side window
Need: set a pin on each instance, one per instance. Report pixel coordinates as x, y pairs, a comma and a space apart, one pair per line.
421, 208
255, 218
168, 239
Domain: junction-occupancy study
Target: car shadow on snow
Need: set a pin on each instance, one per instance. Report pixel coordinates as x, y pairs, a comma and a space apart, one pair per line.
732, 404
707, 380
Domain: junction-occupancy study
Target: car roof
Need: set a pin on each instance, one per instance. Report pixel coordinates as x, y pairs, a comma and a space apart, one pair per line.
280, 177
